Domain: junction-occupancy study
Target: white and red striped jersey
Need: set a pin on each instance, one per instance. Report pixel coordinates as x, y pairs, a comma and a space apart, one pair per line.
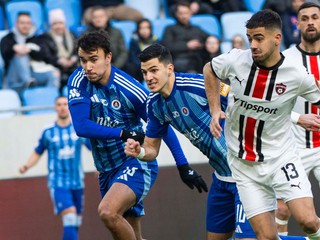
258, 125
305, 139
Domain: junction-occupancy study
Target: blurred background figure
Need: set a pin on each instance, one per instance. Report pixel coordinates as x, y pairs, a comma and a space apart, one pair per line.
142, 38
115, 9
238, 41
16, 49
100, 21
57, 49
196, 7
212, 49
185, 41
66, 176
291, 35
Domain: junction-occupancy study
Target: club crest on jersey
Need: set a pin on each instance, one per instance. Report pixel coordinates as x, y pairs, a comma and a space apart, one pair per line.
116, 104
280, 88
185, 111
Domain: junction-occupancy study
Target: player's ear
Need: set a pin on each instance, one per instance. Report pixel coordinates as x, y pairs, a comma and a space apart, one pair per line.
170, 68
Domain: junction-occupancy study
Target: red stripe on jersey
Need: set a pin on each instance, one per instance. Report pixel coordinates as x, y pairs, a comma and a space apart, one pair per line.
315, 135
249, 139
314, 66
260, 85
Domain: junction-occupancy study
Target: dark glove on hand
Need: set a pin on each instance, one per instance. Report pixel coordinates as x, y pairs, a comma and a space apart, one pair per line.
193, 179
137, 136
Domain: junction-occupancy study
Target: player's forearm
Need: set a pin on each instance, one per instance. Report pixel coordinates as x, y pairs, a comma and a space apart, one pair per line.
150, 151
212, 86
33, 160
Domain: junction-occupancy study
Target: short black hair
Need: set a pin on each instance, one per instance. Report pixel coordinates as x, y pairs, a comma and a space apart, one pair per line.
91, 41
23, 13
308, 5
265, 18
158, 51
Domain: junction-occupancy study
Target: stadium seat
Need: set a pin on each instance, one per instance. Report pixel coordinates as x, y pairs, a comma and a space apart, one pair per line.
254, 5
71, 9
160, 24
225, 46
2, 19
127, 27
13, 7
65, 91
149, 8
10, 102
39, 97
234, 23
208, 23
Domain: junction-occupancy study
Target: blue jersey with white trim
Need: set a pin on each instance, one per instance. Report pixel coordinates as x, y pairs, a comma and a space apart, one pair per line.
64, 156
120, 104
187, 110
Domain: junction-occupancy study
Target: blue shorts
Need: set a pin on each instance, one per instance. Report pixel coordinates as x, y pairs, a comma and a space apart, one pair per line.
243, 227
64, 198
221, 215
137, 175
225, 212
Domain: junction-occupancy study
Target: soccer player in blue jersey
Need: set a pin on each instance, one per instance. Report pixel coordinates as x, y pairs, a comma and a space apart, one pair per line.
107, 106
66, 176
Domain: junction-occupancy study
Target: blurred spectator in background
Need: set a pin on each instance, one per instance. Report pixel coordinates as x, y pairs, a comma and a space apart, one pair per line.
142, 38
229, 5
115, 9
278, 6
16, 48
291, 35
238, 41
211, 50
185, 41
100, 21
196, 6
57, 48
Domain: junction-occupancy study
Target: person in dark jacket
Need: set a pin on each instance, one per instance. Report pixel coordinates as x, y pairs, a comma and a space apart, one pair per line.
185, 41
141, 39
100, 21
16, 48
57, 48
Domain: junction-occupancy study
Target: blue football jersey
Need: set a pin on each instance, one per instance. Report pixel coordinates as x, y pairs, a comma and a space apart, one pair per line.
120, 104
64, 156
187, 110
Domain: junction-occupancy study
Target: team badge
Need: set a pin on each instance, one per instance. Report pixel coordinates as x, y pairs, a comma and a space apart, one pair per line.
116, 104
185, 111
280, 88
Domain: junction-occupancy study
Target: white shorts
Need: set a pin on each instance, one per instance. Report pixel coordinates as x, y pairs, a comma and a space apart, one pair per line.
259, 183
310, 158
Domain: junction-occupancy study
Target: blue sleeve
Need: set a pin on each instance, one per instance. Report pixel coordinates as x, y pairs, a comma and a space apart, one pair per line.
80, 113
41, 144
171, 139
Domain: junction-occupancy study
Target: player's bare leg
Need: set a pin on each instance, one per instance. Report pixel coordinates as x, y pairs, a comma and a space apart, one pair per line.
117, 200
303, 211
264, 226
135, 223
219, 236
282, 216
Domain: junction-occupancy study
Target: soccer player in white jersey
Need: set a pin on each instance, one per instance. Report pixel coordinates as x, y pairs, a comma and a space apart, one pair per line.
66, 176
262, 152
305, 53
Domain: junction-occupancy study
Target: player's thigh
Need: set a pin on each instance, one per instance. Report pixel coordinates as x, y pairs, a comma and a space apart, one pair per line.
78, 200
62, 199
302, 208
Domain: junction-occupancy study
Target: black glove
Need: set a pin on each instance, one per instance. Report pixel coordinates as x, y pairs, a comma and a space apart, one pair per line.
137, 136
193, 179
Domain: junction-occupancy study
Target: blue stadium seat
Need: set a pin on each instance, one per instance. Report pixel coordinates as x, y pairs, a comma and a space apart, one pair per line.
127, 27
9, 100
65, 91
13, 7
71, 9
149, 8
208, 23
234, 23
2, 19
40, 97
160, 24
254, 5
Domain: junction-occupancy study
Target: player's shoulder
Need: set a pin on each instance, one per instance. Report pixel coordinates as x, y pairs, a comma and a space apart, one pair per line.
291, 51
48, 127
77, 77
184, 80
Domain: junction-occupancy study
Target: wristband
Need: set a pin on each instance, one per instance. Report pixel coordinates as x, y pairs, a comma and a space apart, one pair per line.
295, 117
281, 222
142, 153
